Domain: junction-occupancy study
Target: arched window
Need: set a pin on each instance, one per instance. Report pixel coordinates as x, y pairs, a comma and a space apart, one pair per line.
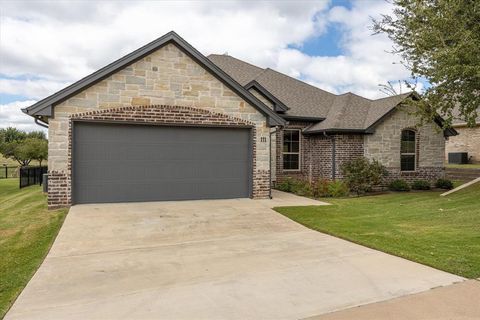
408, 151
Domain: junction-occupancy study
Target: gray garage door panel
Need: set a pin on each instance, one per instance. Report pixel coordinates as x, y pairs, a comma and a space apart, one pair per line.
122, 163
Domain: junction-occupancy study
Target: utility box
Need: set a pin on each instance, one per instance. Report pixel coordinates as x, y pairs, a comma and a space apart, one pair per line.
45, 182
458, 157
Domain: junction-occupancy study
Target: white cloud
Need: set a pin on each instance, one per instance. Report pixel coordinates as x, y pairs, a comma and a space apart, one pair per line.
11, 115
37, 89
366, 62
51, 44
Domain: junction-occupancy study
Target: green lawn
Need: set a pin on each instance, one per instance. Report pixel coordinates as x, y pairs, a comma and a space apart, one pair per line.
463, 166
442, 232
27, 230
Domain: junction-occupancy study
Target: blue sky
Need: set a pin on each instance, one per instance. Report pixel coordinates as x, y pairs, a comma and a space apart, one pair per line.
325, 43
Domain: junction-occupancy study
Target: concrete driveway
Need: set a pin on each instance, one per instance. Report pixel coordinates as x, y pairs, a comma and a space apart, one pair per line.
222, 259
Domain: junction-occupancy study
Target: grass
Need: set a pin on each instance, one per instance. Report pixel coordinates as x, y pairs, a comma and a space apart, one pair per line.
27, 230
442, 232
464, 166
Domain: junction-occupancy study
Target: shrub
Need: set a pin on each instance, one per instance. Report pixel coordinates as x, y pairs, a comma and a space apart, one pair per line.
444, 184
326, 188
302, 188
299, 187
285, 185
337, 189
399, 185
421, 185
321, 188
361, 174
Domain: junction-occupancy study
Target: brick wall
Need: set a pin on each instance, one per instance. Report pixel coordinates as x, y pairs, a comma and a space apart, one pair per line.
383, 145
166, 77
316, 154
468, 140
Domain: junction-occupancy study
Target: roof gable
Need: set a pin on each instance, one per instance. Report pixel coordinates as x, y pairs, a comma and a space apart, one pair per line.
43, 107
278, 105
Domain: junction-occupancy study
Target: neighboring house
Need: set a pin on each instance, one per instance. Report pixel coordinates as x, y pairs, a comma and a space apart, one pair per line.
467, 140
167, 123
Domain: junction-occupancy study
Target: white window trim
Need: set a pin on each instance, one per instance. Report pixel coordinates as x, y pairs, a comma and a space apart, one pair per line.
409, 153
299, 150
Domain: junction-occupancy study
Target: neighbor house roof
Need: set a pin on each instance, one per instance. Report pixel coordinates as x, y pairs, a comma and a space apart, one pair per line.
340, 113
459, 122
44, 107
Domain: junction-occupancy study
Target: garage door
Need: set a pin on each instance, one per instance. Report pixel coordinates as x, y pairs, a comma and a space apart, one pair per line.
123, 163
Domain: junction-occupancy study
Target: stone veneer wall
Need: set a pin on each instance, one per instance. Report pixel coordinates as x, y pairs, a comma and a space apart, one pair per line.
384, 145
260, 97
316, 154
468, 140
165, 77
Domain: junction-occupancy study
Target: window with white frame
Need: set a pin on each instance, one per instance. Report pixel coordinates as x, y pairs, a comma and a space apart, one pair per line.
408, 150
291, 149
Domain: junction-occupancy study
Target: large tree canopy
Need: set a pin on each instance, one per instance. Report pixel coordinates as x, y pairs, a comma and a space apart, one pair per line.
23, 147
439, 40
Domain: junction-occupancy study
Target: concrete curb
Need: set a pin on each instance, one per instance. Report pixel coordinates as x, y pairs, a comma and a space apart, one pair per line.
461, 187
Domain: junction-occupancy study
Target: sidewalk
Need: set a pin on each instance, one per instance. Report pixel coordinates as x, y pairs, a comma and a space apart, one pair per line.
460, 301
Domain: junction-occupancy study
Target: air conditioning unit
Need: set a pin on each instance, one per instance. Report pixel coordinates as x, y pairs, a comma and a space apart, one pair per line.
458, 157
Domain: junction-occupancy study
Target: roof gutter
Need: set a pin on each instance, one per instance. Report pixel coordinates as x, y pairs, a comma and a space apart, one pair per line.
325, 131
301, 118
41, 123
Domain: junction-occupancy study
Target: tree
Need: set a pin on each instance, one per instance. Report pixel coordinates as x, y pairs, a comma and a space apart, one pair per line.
41, 151
361, 174
37, 135
12, 134
23, 147
439, 40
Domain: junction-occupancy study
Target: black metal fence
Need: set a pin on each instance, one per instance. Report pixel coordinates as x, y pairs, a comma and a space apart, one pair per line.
31, 175
8, 172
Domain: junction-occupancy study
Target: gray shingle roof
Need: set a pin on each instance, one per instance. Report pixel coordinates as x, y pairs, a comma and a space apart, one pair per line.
345, 112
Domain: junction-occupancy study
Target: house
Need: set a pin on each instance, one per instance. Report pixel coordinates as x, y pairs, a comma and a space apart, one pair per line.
167, 123
325, 130
467, 140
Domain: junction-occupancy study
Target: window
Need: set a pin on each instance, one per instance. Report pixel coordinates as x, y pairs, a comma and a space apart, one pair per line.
291, 149
408, 151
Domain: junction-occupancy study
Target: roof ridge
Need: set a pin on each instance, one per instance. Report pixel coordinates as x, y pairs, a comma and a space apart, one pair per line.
341, 112
394, 96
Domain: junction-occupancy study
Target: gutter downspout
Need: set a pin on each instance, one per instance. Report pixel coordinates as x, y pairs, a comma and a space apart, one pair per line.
42, 124
334, 166
270, 160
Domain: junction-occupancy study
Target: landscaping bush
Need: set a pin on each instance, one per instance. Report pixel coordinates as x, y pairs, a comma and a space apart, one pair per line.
302, 188
321, 188
361, 174
326, 188
399, 185
299, 187
285, 185
444, 184
337, 189
421, 185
